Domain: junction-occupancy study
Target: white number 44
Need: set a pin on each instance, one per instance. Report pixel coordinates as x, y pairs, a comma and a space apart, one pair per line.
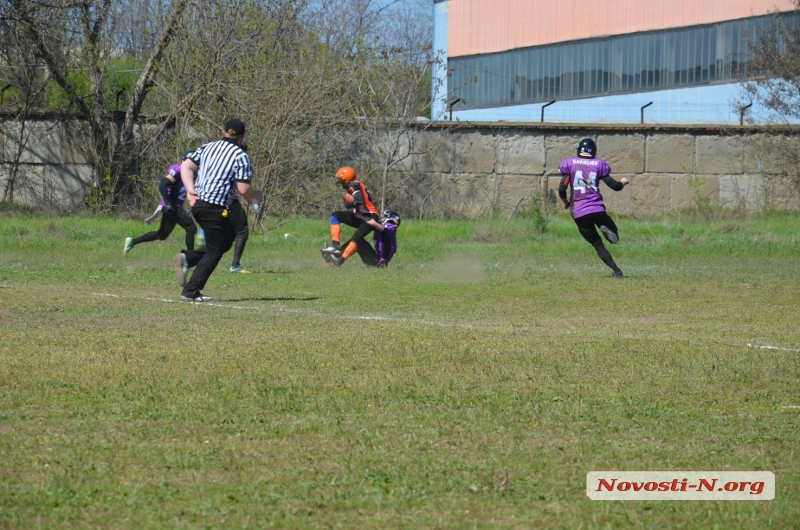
580, 184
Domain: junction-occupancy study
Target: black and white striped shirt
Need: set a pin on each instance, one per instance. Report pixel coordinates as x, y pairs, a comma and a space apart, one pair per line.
221, 165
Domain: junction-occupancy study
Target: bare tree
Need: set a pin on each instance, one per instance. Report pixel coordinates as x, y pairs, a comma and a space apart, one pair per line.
774, 73
316, 80
774, 83
386, 50
390, 99
344, 25
23, 77
135, 24
276, 75
313, 99
73, 41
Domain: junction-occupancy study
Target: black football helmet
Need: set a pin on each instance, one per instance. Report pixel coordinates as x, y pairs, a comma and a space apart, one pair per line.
587, 148
392, 216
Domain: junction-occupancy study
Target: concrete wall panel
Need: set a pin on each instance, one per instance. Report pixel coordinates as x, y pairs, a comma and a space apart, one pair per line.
28, 184
552, 189
516, 187
742, 192
619, 202
719, 155
771, 154
66, 185
33, 142
623, 152
520, 153
689, 193
782, 193
670, 153
77, 144
434, 152
650, 195
397, 144
558, 148
475, 151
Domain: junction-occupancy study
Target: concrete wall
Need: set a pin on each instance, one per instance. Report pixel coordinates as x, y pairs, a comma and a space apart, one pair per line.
483, 166
45, 162
477, 167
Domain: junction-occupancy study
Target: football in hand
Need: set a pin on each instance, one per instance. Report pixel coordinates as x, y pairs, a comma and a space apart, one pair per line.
348, 199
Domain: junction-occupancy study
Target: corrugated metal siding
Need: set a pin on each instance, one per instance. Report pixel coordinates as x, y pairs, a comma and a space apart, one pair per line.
486, 26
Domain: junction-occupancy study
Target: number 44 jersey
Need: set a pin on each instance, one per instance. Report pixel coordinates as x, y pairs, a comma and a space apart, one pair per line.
584, 174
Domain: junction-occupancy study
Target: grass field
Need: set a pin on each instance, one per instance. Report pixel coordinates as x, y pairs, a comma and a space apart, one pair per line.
473, 384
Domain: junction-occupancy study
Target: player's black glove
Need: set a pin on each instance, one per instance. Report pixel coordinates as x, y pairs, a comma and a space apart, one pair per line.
168, 208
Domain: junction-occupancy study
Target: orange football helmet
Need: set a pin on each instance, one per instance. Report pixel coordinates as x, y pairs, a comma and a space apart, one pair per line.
345, 175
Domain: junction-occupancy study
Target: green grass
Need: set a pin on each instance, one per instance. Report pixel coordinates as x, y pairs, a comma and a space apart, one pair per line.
472, 384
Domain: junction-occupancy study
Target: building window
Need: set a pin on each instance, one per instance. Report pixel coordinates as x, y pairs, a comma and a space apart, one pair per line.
683, 57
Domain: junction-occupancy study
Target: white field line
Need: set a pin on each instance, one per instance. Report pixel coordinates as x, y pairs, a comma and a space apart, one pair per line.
304, 311
792, 407
286, 310
140, 297
769, 347
233, 306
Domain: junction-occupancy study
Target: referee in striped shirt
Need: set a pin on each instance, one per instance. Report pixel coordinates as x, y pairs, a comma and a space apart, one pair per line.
220, 166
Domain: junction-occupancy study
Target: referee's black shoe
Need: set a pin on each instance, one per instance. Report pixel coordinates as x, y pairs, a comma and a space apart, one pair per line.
199, 299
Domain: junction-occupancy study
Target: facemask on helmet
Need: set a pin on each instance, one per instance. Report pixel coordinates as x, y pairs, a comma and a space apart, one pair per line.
587, 148
391, 216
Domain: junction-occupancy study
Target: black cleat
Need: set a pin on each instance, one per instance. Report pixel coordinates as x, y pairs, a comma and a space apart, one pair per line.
330, 251
618, 274
610, 235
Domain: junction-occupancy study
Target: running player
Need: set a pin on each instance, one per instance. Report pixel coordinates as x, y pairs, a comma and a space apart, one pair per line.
583, 175
173, 194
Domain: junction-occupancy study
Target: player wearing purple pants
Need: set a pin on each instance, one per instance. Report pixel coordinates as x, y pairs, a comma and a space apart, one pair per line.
582, 175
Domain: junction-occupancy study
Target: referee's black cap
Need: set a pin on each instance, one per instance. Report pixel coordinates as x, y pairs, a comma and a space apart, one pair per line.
235, 127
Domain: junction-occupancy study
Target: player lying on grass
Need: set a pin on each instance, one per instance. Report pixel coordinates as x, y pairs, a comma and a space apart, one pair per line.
173, 193
360, 213
385, 242
582, 176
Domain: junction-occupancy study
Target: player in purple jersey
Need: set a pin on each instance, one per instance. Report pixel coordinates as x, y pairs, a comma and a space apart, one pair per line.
172, 196
385, 242
583, 175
